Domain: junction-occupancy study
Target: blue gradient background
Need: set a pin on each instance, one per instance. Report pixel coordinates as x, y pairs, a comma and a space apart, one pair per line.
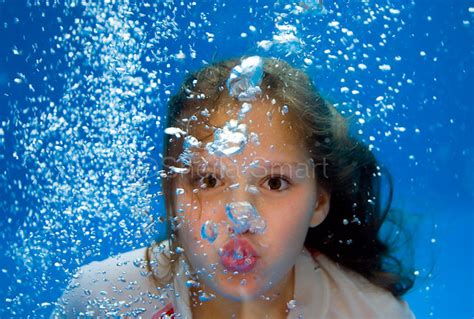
435, 190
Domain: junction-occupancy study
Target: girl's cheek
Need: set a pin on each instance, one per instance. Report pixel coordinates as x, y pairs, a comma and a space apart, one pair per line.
200, 213
285, 211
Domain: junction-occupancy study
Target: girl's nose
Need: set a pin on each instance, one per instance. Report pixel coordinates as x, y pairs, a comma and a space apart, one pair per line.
244, 217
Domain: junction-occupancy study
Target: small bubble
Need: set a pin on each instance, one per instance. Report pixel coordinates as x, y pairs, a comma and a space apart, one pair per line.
394, 11
203, 297
252, 189
234, 186
291, 304
205, 112
254, 138
174, 131
180, 55
209, 231
192, 283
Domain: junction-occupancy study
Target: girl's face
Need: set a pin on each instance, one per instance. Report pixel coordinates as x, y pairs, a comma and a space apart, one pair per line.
244, 217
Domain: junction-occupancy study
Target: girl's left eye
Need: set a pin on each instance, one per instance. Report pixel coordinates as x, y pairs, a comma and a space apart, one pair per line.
276, 183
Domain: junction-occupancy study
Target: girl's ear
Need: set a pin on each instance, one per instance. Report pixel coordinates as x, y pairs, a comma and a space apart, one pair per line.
322, 207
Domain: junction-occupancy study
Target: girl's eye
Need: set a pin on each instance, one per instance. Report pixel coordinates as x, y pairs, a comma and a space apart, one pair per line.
209, 181
276, 183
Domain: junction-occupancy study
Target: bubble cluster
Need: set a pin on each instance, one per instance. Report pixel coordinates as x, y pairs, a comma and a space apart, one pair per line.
87, 132
228, 140
244, 79
89, 150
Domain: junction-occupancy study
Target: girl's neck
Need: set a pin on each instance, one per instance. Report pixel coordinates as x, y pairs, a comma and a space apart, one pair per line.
275, 307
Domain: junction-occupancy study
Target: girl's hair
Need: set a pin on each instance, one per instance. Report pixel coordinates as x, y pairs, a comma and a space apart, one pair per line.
350, 234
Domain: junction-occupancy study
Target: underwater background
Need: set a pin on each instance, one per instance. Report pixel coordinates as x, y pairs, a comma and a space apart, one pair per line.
83, 92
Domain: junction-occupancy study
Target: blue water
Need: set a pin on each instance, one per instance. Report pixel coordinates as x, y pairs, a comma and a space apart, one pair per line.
413, 92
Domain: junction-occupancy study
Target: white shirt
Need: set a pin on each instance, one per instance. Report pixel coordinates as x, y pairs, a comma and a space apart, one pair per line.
121, 287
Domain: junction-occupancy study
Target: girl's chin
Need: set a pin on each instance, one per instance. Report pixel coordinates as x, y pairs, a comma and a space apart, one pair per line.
240, 293
240, 287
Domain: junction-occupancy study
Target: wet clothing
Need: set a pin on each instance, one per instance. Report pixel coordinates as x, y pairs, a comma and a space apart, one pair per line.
122, 287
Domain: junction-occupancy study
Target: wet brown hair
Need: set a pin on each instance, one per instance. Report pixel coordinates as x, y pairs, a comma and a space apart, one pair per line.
350, 235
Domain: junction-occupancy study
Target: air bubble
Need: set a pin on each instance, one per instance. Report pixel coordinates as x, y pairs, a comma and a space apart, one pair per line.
291, 304
244, 80
203, 297
174, 131
209, 231
229, 140
244, 217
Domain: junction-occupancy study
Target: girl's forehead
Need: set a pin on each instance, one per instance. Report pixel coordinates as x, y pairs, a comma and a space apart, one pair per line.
268, 127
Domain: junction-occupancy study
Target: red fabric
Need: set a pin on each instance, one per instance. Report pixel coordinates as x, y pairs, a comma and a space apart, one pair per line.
166, 312
315, 253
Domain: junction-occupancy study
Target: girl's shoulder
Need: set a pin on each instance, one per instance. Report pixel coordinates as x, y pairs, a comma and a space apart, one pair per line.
353, 296
119, 285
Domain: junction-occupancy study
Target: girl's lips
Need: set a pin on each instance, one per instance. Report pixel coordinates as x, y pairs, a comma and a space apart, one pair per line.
238, 255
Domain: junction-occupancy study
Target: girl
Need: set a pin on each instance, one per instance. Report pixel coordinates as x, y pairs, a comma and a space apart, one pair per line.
274, 211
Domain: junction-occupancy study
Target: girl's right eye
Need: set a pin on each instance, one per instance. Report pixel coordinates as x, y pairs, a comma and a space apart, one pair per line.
208, 181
